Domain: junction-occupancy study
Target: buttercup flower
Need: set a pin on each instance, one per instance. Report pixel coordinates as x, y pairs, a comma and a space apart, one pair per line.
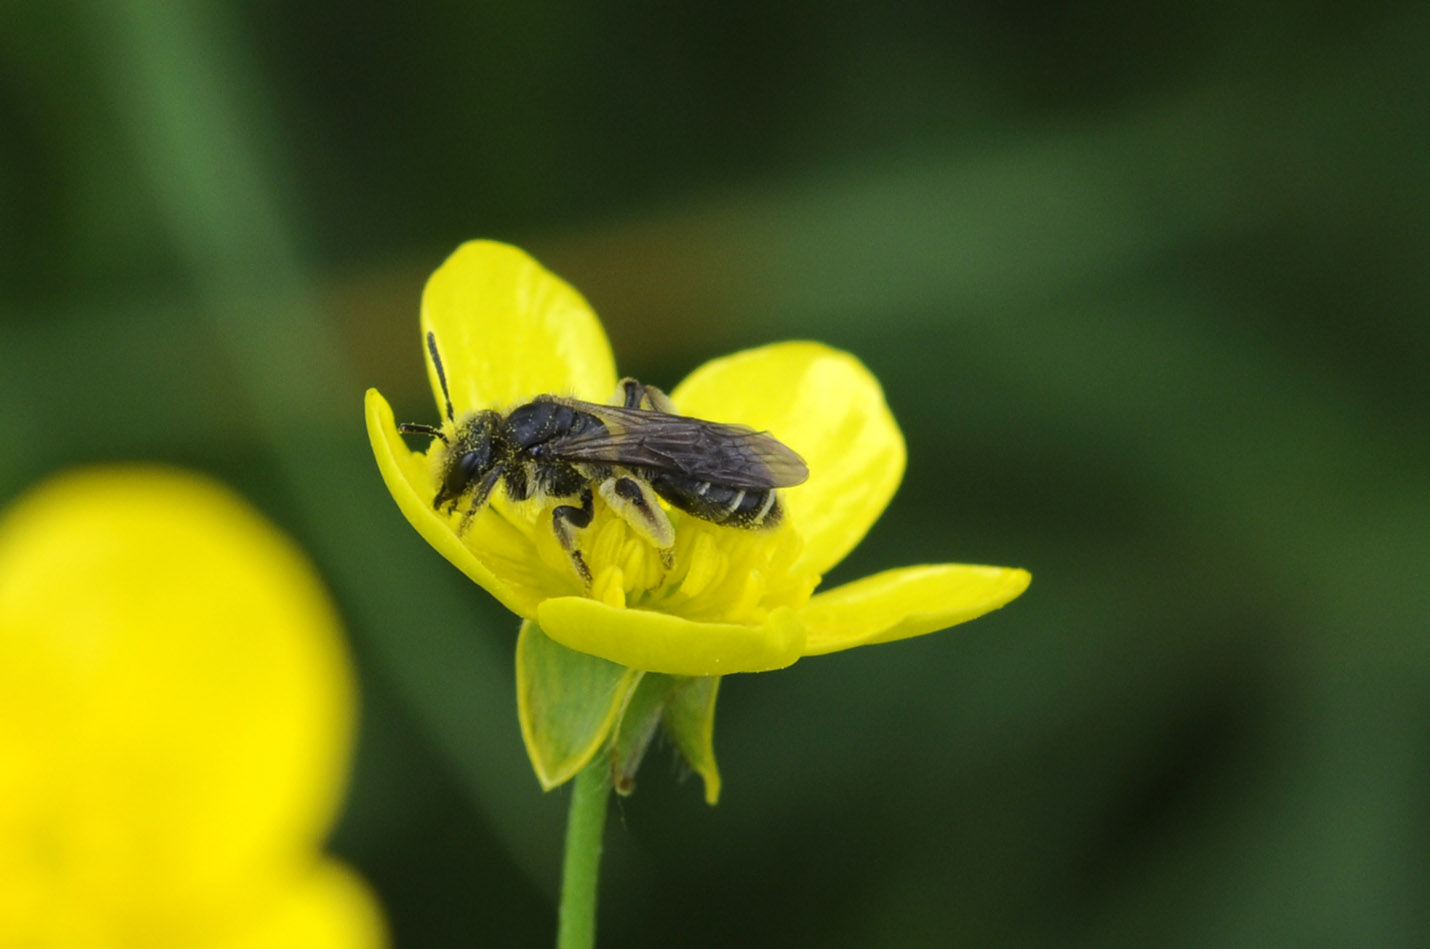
730, 599
176, 721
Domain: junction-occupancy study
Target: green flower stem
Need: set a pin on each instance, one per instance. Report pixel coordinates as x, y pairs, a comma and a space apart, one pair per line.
581, 866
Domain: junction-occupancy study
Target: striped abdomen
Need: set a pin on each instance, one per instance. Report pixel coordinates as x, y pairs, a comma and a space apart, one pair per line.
718, 503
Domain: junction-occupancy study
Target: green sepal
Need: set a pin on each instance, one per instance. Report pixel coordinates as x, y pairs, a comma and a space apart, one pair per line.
638, 724
567, 702
686, 708
690, 723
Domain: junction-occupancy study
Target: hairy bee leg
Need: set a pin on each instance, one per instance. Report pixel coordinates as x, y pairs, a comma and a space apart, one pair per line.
638, 396
660, 401
565, 519
467, 517
479, 499
634, 502
630, 392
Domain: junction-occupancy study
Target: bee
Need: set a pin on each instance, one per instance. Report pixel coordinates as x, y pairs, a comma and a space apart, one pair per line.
630, 454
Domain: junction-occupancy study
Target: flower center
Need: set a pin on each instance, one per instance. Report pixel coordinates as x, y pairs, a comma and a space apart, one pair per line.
713, 573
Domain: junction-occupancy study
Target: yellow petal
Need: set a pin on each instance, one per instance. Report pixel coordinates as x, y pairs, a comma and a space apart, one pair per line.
410, 481
825, 405
508, 329
176, 700
909, 601
329, 908
660, 642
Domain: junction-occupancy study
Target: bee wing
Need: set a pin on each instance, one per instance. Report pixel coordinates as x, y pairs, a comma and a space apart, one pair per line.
732, 455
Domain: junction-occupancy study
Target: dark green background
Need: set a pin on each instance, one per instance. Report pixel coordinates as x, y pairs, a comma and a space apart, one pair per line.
1147, 288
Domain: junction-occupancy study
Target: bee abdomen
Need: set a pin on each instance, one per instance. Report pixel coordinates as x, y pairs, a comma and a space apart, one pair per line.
719, 503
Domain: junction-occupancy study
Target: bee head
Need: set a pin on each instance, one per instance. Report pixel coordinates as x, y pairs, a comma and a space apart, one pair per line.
472, 461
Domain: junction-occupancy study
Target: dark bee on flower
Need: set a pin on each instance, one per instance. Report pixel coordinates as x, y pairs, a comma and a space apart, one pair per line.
630, 454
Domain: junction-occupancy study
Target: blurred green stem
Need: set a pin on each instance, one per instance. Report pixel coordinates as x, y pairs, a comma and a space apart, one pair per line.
581, 866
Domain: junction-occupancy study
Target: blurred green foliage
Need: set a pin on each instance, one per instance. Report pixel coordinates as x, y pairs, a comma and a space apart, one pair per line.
1147, 290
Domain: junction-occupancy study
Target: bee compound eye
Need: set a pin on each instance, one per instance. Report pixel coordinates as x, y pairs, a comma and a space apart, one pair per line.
470, 466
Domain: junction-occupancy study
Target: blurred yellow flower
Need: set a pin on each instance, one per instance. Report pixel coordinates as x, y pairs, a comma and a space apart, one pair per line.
176, 720
730, 600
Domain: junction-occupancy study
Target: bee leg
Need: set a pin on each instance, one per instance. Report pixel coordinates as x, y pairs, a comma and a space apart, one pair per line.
629, 393
479, 499
568, 518
635, 395
634, 502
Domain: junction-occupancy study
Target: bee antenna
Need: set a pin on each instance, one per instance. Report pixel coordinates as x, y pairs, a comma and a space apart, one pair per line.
441, 373
413, 428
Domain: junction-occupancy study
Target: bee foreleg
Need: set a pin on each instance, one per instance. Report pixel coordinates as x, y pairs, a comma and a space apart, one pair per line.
478, 499
568, 518
635, 395
634, 502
